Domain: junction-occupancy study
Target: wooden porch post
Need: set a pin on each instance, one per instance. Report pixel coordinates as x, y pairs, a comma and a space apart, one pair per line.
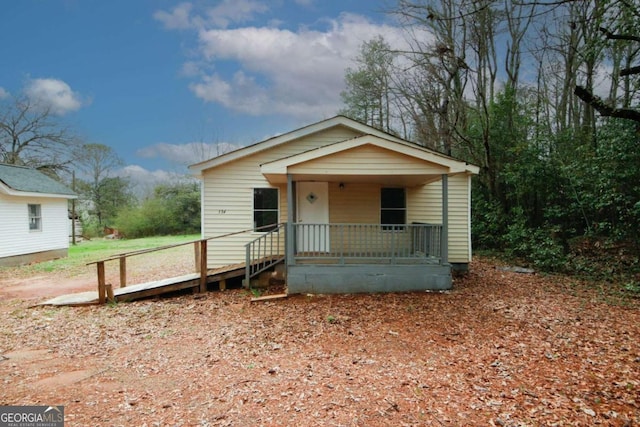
290, 233
444, 239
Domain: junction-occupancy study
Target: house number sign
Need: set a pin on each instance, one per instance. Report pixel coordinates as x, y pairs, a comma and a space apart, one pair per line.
312, 198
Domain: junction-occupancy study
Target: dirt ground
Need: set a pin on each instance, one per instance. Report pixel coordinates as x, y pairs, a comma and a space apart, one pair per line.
501, 349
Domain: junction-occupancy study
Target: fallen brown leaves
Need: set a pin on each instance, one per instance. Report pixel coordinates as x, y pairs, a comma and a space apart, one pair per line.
501, 349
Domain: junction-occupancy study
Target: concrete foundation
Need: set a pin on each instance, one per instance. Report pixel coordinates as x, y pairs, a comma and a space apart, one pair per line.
16, 260
330, 279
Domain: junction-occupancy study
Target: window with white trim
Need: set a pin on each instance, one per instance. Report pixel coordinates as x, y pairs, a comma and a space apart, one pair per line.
35, 218
265, 209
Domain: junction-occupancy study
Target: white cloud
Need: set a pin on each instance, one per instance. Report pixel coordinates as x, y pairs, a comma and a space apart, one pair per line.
178, 19
3, 93
265, 70
300, 74
144, 181
53, 94
222, 15
235, 11
191, 69
186, 154
138, 174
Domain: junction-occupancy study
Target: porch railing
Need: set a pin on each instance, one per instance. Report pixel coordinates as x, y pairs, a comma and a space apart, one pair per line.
264, 252
393, 243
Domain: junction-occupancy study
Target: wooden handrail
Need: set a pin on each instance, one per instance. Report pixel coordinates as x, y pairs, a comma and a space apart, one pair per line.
200, 255
175, 245
145, 251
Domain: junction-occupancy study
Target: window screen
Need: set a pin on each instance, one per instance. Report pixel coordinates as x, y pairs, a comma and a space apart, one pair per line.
265, 209
393, 206
35, 219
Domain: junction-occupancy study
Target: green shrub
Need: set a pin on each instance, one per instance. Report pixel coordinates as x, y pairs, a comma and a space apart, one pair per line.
534, 245
91, 229
172, 210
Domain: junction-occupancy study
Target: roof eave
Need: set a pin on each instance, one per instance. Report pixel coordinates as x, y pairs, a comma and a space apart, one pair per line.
16, 193
198, 168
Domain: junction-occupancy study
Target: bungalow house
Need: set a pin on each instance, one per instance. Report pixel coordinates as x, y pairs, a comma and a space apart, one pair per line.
34, 218
348, 208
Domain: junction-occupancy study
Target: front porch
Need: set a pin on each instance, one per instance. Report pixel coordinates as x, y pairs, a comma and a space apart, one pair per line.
352, 258
334, 258
417, 243
364, 215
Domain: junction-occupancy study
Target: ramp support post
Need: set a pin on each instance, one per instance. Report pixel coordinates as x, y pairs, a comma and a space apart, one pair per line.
101, 282
203, 265
123, 271
196, 253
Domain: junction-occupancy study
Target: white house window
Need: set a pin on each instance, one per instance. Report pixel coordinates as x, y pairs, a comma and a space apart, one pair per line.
35, 218
393, 206
265, 209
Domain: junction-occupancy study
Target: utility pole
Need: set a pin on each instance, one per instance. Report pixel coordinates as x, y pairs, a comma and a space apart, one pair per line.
73, 209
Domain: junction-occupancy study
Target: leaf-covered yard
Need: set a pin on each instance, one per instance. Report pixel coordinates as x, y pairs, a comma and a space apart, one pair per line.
502, 349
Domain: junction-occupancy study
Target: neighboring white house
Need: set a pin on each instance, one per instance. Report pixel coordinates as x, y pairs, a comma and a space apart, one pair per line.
357, 209
34, 216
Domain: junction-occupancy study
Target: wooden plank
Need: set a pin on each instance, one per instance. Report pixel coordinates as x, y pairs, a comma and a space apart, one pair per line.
101, 282
223, 284
226, 275
196, 253
109, 290
203, 266
123, 272
269, 297
157, 284
165, 289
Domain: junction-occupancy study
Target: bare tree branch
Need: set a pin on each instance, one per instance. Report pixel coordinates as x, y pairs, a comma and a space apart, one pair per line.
630, 71
29, 135
612, 36
603, 108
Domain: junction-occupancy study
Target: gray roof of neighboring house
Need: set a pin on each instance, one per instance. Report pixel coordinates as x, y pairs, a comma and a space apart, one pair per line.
20, 178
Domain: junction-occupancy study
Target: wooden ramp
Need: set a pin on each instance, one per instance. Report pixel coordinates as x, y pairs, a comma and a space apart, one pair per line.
153, 288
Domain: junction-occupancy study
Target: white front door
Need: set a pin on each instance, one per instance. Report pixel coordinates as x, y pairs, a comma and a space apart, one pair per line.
313, 214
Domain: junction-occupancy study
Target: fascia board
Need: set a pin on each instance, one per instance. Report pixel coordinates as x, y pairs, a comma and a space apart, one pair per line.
280, 166
11, 192
198, 168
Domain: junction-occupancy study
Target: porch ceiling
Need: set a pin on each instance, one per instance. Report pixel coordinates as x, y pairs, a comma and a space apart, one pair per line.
391, 180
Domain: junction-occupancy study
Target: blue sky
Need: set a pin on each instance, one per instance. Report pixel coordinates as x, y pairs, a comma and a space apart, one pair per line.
154, 79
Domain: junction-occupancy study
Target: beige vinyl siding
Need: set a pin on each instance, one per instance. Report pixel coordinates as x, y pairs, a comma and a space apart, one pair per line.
459, 244
228, 195
359, 160
425, 205
357, 203
14, 225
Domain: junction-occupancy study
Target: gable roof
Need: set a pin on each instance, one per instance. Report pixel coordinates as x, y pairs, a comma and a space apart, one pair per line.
198, 168
24, 181
364, 130
448, 164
